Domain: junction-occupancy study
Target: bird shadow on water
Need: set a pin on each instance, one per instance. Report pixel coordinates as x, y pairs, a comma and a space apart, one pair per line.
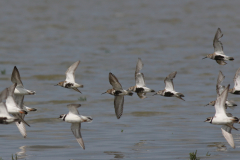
116, 154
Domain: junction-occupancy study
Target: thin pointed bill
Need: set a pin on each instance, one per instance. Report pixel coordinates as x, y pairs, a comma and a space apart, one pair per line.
204, 57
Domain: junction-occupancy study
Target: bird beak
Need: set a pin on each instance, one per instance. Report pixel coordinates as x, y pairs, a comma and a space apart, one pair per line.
204, 57
205, 121
104, 93
56, 85
206, 105
23, 112
154, 94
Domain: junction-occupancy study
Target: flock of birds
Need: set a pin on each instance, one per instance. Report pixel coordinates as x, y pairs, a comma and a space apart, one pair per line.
11, 98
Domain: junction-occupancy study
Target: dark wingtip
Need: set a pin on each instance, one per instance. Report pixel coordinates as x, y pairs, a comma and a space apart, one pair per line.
152, 90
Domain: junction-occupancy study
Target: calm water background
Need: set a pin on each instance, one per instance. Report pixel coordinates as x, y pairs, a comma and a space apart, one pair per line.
43, 38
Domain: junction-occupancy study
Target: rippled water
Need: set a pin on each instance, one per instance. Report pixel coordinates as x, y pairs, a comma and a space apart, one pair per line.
43, 38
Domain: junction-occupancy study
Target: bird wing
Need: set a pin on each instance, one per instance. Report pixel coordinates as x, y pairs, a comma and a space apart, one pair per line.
73, 108
118, 105
219, 87
220, 102
16, 77
139, 66
19, 100
226, 131
217, 44
169, 81
114, 82
3, 95
21, 118
3, 110
236, 80
21, 128
10, 102
141, 95
76, 130
140, 82
70, 77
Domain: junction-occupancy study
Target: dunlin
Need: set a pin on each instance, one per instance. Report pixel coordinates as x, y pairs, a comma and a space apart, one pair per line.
118, 93
218, 54
222, 118
76, 120
70, 78
140, 88
169, 88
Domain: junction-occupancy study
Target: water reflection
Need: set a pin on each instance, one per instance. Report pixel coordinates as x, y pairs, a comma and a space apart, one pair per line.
22, 154
116, 154
220, 146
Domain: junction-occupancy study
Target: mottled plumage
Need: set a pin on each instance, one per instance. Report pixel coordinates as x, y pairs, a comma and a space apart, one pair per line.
140, 88
70, 78
118, 94
218, 54
169, 88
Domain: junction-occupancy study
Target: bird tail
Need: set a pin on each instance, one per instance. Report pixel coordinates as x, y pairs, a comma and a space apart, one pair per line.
87, 119
130, 93
230, 58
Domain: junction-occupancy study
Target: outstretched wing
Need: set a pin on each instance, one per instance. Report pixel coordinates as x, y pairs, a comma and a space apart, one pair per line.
140, 82
226, 131
219, 87
73, 108
169, 81
114, 82
22, 129
220, 103
3, 110
141, 95
76, 130
139, 66
118, 105
16, 77
3, 95
217, 44
236, 80
19, 100
21, 118
70, 77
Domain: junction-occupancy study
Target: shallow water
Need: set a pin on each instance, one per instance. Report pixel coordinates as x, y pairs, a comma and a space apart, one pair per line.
43, 38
